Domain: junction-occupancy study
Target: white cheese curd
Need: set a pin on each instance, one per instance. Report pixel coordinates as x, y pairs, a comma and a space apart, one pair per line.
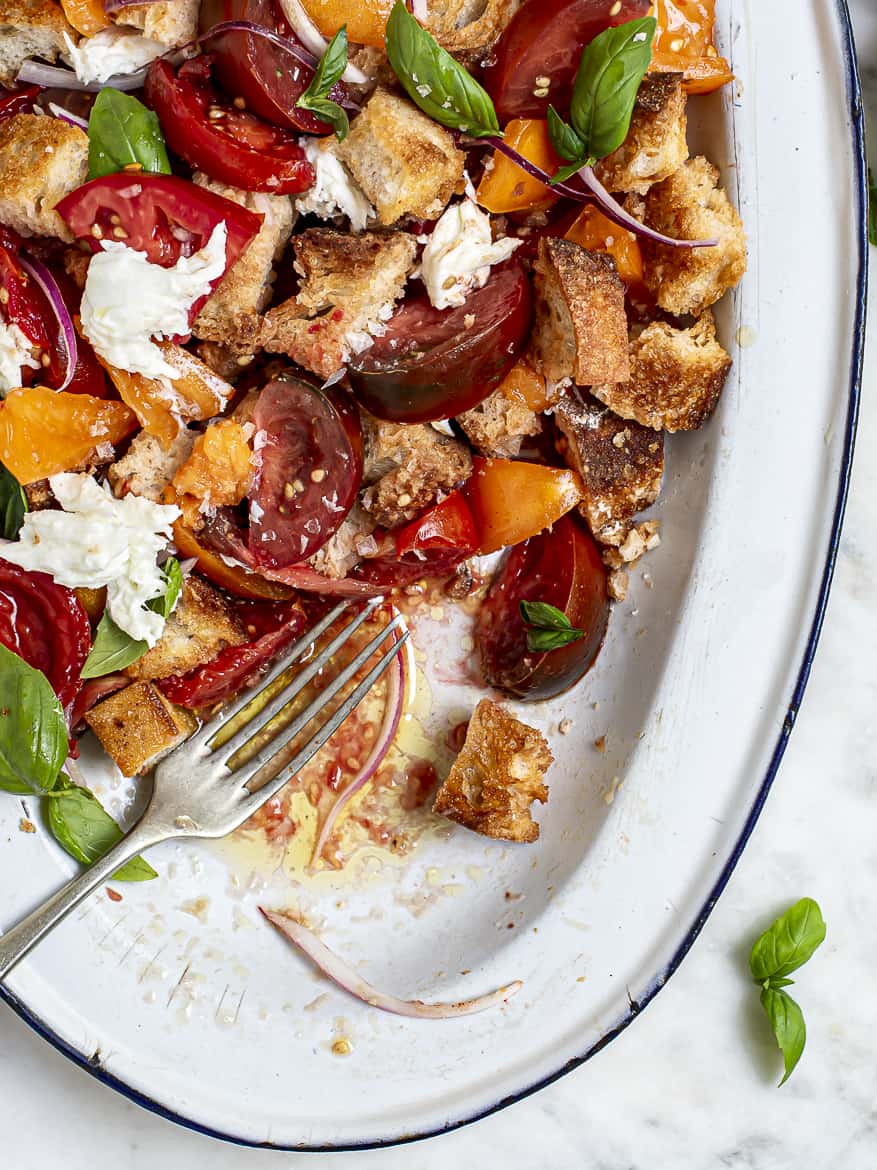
335, 191
459, 255
98, 540
15, 352
110, 52
127, 301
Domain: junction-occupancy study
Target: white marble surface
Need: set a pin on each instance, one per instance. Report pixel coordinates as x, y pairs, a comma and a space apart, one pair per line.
691, 1085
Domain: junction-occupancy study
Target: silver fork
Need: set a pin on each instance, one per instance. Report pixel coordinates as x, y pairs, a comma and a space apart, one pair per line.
196, 794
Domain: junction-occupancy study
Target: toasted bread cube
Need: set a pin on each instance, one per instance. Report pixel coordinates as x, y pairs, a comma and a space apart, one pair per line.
656, 145
580, 326
469, 26
350, 284
497, 776
29, 28
171, 22
138, 725
498, 425
346, 547
41, 160
676, 377
407, 468
147, 468
202, 624
405, 163
691, 206
621, 464
232, 315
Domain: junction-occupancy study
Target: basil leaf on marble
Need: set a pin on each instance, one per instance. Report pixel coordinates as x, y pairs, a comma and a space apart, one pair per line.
788, 943
787, 1021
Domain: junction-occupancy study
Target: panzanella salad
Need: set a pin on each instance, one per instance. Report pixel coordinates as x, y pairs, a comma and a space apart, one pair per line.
307, 299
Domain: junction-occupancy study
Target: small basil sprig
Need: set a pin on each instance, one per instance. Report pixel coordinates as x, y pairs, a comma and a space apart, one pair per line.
33, 732
84, 829
872, 208
548, 628
327, 74
113, 649
122, 133
434, 81
13, 505
608, 80
784, 947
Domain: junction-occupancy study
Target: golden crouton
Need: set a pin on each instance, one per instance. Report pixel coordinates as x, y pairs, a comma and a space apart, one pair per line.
172, 22
138, 725
497, 776
42, 159
620, 462
146, 468
202, 624
469, 26
656, 145
499, 425
580, 327
346, 547
676, 377
690, 206
232, 314
407, 468
29, 28
405, 163
350, 284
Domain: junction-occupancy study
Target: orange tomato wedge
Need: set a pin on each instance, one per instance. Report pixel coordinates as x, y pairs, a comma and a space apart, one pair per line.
523, 384
43, 432
197, 394
87, 16
366, 20
512, 501
594, 231
504, 186
684, 44
220, 468
236, 580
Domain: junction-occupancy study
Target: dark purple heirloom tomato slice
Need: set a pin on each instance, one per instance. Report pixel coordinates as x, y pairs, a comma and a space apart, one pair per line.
535, 60
563, 568
310, 452
433, 363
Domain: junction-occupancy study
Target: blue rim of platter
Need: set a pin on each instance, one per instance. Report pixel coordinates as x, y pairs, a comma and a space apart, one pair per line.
92, 1064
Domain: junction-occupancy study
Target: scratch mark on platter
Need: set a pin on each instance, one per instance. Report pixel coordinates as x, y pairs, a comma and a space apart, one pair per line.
115, 925
178, 984
130, 949
219, 1005
149, 965
237, 1011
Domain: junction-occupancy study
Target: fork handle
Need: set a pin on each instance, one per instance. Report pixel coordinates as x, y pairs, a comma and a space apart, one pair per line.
17, 941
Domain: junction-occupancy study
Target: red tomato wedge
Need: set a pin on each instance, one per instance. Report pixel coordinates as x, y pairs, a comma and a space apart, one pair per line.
562, 568
309, 447
23, 303
228, 144
430, 546
436, 363
512, 500
536, 59
19, 100
269, 80
44, 624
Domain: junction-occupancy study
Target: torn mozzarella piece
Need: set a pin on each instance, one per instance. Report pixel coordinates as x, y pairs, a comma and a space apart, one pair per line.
16, 351
335, 191
110, 53
459, 255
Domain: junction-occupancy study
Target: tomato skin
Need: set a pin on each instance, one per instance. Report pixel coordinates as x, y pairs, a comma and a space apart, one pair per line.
44, 624
24, 304
512, 501
684, 43
236, 148
430, 364
506, 187
563, 568
233, 579
274, 628
19, 100
545, 38
430, 546
269, 80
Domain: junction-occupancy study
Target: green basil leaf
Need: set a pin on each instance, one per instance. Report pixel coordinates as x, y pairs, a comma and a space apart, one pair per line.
111, 650
329, 112
565, 140
872, 208
788, 943
173, 576
776, 983
13, 505
541, 641
33, 732
122, 132
787, 1021
544, 616
609, 76
328, 72
434, 81
84, 829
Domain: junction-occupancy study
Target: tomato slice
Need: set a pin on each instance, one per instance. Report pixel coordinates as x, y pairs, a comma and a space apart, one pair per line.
436, 363
430, 546
309, 447
544, 41
563, 568
269, 80
684, 44
272, 628
505, 187
230, 145
19, 100
44, 624
23, 303
234, 579
512, 500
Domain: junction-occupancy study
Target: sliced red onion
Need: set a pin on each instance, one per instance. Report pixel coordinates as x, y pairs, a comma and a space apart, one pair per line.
595, 193
38, 272
65, 116
345, 976
248, 26
114, 5
387, 733
311, 37
54, 77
